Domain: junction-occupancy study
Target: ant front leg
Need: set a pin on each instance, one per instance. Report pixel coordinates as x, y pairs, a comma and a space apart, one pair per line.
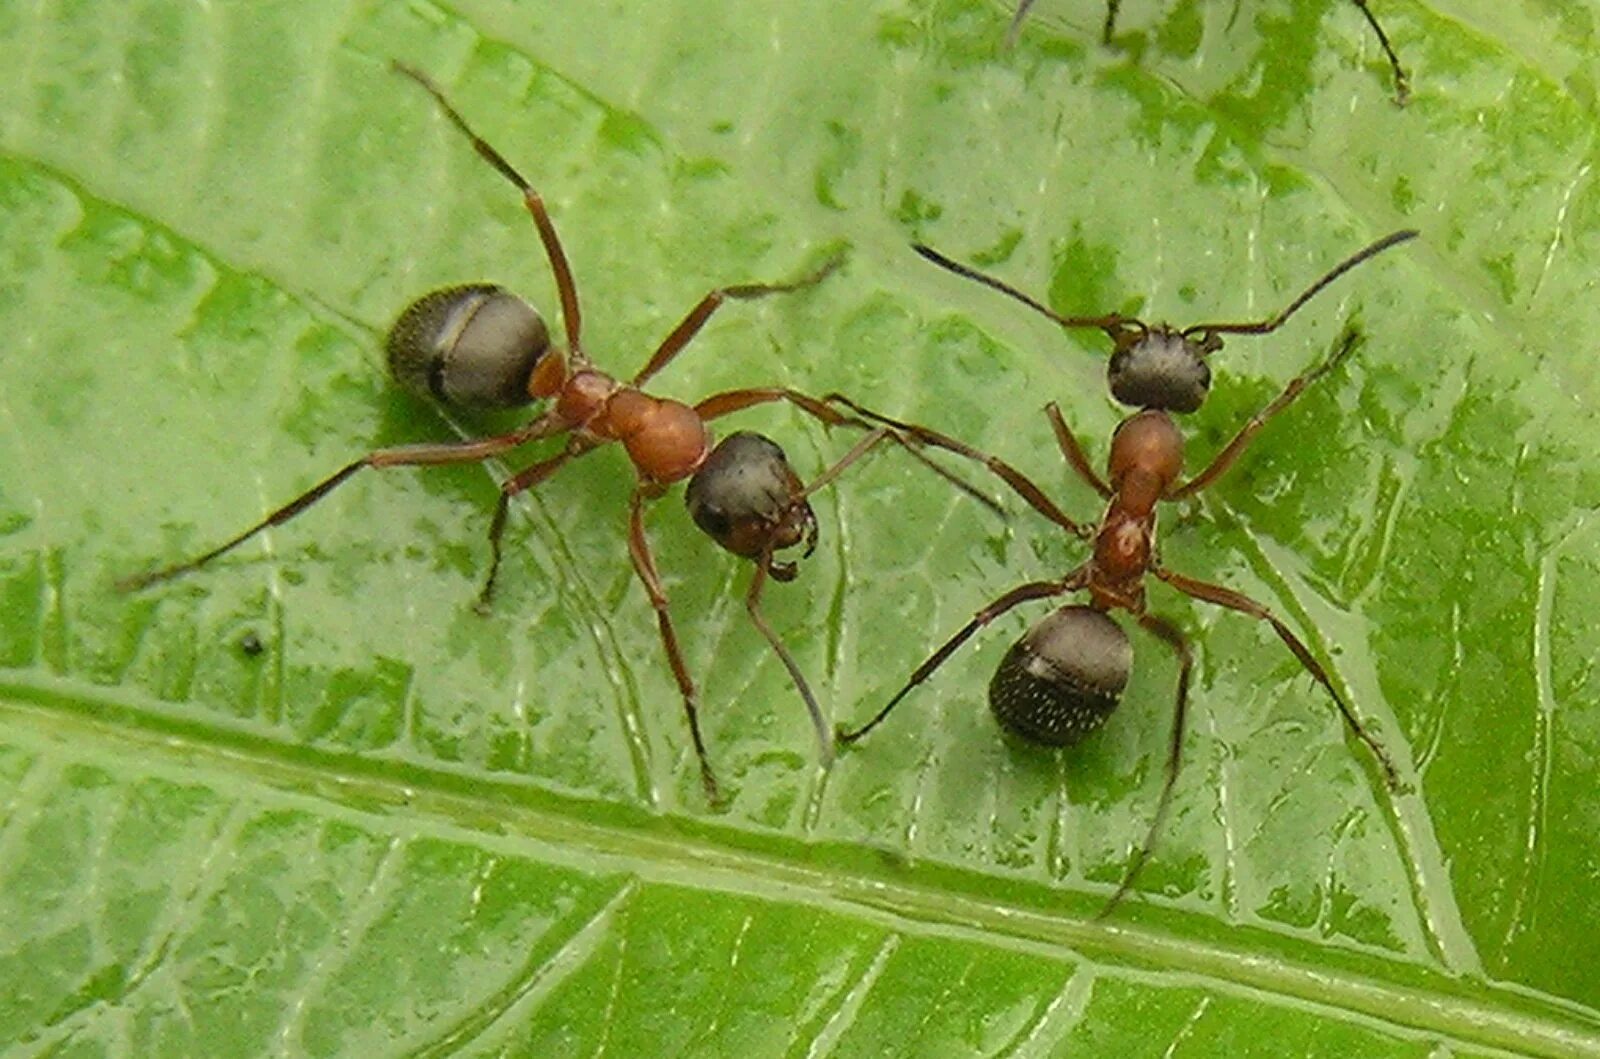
644, 564
1235, 448
752, 605
691, 324
1020, 483
522, 481
431, 455
747, 498
731, 401
1227, 597
1068, 443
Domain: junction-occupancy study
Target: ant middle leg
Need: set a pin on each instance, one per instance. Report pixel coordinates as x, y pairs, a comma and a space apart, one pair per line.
1167, 632
427, 455
1231, 452
691, 324
523, 480
1227, 597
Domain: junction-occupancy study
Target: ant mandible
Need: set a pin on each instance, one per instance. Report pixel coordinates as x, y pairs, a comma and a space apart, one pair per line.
478, 346
1402, 81
1064, 677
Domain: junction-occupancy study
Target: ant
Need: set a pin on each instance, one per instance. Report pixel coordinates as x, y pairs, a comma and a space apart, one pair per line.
478, 346
1062, 680
1402, 81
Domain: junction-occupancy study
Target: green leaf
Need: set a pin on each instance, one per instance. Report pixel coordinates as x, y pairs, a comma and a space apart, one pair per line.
403, 827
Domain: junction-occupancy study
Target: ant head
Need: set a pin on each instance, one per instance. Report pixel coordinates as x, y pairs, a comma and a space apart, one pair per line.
748, 499
1062, 680
473, 346
1157, 367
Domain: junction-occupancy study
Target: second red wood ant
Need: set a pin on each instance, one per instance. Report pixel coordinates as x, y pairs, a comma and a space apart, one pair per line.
1402, 81
1063, 679
479, 346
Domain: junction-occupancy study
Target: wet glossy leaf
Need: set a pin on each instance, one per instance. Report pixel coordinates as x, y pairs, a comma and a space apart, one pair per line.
310, 802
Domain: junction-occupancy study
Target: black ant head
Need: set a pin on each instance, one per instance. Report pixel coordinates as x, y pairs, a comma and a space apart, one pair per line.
1062, 680
473, 346
1157, 367
748, 499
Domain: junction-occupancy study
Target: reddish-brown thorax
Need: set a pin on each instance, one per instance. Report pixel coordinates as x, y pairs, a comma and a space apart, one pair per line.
666, 440
1146, 458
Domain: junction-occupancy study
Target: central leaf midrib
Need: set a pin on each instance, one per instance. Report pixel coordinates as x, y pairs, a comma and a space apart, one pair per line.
121, 728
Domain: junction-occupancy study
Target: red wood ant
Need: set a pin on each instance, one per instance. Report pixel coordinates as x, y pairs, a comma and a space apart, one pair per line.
1064, 677
1402, 82
479, 346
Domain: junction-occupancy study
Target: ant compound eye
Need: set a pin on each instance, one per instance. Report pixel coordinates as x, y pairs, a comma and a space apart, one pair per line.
1062, 680
1161, 370
747, 498
473, 346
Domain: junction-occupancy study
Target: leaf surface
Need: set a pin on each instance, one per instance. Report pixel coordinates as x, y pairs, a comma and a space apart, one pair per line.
308, 801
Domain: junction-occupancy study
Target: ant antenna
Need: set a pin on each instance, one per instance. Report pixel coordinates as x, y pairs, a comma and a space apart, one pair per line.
1112, 324
1275, 322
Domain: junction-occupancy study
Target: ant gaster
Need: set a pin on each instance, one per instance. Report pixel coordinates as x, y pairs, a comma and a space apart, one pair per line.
480, 346
1402, 81
1064, 677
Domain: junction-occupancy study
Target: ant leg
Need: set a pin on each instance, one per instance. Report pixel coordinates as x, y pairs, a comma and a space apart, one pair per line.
1021, 594
1209, 331
731, 401
681, 335
428, 455
860, 449
1014, 30
1020, 483
1235, 448
1111, 22
822, 481
565, 286
764, 568
1227, 597
644, 565
752, 604
523, 480
1167, 632
1402, 82
1070, 448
